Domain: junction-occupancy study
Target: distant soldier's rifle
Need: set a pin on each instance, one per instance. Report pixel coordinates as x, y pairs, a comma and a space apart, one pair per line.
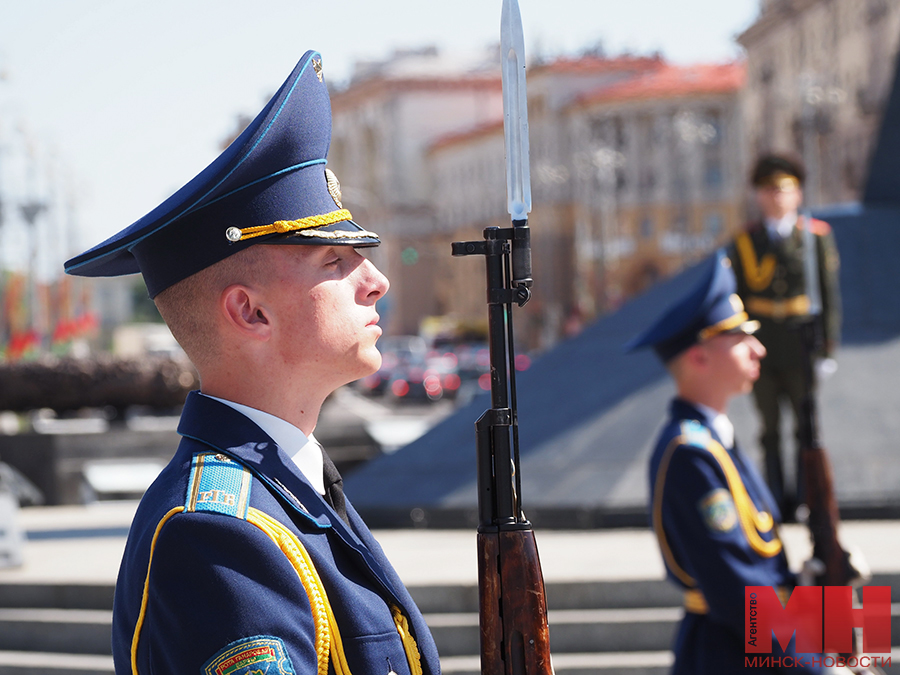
513, 609
817, 487
817, 476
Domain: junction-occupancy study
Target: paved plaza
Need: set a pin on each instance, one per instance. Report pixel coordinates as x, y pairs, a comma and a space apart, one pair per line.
83, 544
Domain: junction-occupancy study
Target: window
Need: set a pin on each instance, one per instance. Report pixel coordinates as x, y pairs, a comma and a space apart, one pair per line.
712, 223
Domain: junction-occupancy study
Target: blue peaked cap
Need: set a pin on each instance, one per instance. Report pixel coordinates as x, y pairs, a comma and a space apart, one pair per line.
711, 308
270, 186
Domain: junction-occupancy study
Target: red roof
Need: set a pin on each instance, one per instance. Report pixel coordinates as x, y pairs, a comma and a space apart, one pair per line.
479, 131
379, 86
598, 64
672, 81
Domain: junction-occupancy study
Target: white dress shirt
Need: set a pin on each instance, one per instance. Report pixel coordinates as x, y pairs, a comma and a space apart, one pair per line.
720, 424
781, 228
305, 451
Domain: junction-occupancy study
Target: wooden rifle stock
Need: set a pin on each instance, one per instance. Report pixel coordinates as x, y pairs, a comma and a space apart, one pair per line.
515, 638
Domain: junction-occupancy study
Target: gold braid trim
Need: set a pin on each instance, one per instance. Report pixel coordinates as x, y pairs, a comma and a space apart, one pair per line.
758, 275
312, 584
752, 520
730, 323
695, 601
669, 557
409, 642
146, 595
328, 636
283, 226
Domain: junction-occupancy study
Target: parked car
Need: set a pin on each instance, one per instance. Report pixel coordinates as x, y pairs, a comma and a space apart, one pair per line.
399, 353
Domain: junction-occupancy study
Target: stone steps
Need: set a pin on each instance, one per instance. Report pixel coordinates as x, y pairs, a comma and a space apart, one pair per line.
74, 631
571, 631
627, 663
596, 627
46, 663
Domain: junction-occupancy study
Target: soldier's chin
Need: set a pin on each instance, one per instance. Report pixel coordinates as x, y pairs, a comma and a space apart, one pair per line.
373, 361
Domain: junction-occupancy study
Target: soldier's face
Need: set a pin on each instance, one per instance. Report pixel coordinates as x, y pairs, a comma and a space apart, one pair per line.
777, 202
734, 361
323, 300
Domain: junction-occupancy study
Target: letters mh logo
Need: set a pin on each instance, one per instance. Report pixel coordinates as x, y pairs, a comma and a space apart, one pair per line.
823, 619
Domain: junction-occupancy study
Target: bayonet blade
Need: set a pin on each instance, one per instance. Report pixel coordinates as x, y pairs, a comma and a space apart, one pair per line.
515, 111
811, 266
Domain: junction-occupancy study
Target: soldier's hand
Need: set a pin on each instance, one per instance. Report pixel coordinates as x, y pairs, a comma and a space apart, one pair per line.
810, 572
825, 368
859, 568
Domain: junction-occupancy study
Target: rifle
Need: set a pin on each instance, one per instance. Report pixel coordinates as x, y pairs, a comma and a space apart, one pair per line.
515, 638
817, 475
817, 484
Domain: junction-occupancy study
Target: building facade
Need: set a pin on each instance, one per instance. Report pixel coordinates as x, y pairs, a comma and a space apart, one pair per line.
819, 74
635, 169
383, 124
658, 183
638, 167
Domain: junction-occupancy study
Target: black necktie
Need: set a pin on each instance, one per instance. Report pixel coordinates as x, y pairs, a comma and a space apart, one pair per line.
334, 487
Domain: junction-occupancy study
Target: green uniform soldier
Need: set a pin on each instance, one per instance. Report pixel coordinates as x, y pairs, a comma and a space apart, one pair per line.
769, 262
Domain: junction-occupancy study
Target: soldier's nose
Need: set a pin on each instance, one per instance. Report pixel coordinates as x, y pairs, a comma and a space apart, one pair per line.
757, 347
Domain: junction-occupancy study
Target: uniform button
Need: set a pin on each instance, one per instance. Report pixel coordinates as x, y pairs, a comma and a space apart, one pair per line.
233, 234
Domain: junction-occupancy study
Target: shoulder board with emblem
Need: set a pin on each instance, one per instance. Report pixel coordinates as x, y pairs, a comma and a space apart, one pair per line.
218, 484
695, 433
819, 227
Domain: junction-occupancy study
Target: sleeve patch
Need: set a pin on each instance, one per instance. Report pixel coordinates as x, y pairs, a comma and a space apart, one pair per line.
218, 484
694, 433
718, 510
248, 656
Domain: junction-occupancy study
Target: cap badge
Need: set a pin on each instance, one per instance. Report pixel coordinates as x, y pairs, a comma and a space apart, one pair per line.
317, 66
334, 187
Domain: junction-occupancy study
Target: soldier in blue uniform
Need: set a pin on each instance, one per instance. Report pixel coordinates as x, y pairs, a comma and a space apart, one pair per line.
244, 557
714, 517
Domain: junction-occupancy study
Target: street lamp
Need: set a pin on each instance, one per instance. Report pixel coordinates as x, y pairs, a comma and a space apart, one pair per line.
817, 105
30, 210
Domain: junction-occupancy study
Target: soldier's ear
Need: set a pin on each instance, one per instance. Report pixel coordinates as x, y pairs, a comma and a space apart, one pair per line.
696, 356
245, 312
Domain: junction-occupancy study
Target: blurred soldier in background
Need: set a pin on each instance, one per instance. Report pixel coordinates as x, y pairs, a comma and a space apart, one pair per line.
768, 258
714, 518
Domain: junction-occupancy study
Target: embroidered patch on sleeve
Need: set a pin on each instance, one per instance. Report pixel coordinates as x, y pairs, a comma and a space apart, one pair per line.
260, 654
718, 510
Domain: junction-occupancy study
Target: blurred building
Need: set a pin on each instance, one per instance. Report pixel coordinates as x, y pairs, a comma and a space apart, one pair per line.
819, 73
636, 171
383, 124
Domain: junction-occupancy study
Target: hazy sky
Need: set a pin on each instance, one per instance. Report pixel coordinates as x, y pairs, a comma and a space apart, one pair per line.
133, 97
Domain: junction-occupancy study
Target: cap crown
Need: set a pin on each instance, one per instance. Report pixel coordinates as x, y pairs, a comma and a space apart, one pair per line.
273, 173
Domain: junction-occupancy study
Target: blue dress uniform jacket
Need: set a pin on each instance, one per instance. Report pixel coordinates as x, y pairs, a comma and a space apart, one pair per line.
717, 528
204, 591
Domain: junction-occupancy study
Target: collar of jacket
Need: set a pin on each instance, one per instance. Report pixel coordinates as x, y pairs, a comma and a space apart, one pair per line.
680, 410
228, 431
